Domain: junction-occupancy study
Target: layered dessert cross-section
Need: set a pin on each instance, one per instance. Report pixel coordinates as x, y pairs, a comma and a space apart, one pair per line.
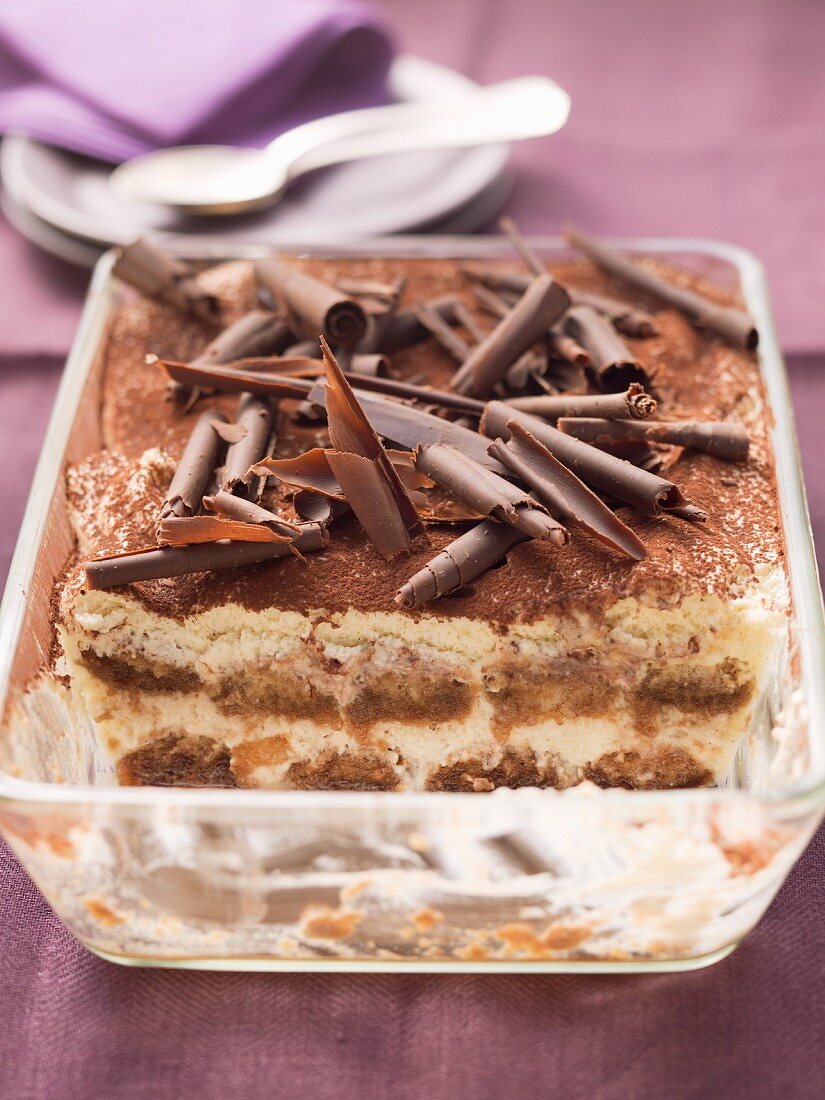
516, 527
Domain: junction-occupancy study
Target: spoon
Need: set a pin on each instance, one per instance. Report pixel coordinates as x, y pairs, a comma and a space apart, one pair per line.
222, 179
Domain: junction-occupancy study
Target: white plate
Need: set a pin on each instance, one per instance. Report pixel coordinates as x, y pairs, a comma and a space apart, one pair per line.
70, 195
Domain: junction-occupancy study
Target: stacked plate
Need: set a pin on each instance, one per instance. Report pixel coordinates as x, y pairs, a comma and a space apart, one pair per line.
62, 201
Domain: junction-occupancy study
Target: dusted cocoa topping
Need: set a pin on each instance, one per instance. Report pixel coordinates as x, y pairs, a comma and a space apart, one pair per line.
698, 377
177, 760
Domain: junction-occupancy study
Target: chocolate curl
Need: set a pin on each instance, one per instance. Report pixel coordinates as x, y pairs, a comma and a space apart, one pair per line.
452, 343
612, 364
491, 302
414, 428
228, 379
565, 347
565, 495
488, 494
508, 284
459, 563
404, 328
634, 403
727, 441
312, 506
364, 470
733, 325
532, 364
310, 470
259, 332
372, 364
627, 318
246, 511
381, 310
254, 375
513, 234
541, 305
176, 561
369, 288
190, 530
462, 316
396, 388
195, 469
649, 493
319, 308
158, 275
255, 416
624, 316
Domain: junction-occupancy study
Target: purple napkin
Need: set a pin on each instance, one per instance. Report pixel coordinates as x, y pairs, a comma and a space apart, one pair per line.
116, 79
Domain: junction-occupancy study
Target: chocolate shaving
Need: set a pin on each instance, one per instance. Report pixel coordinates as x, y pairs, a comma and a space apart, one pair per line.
373, 364
649, 493
532, 364
462, 316
310, 470
158, 275
727, 441
176, 561
229, 433
625, 317
254, 415
381, 313
189, 530
488, 494
435, 324
309, 349
565, 495
259, 332
364, 470
318, 308
195, 469
395, 388
529, 367
733, 325
565, 347
413, 428
540, 306
493, 303
405, 329
234, 507
612, 364
506, 286
229, 379
318, 509
633, 403
513, 234
367, 287
459, 563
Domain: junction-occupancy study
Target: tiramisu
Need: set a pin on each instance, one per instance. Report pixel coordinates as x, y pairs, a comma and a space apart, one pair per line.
516, 527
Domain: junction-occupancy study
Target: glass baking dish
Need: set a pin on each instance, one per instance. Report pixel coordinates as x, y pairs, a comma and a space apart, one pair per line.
526, 880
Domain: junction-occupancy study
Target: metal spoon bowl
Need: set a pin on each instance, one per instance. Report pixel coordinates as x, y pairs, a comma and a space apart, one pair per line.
222, 179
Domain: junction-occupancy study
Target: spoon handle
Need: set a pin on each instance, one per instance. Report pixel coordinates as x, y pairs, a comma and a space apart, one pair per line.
522, 108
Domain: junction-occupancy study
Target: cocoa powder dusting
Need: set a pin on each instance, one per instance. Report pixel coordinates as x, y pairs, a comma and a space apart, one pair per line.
114, 494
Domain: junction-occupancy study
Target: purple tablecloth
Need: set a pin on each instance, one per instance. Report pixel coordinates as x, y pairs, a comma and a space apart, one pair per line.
661, 91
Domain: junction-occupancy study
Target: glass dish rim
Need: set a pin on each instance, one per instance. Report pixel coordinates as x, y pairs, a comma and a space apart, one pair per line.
802, 569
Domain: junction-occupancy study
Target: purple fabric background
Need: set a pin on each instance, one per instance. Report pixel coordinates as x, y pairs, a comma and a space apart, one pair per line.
87, 76
700, 118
